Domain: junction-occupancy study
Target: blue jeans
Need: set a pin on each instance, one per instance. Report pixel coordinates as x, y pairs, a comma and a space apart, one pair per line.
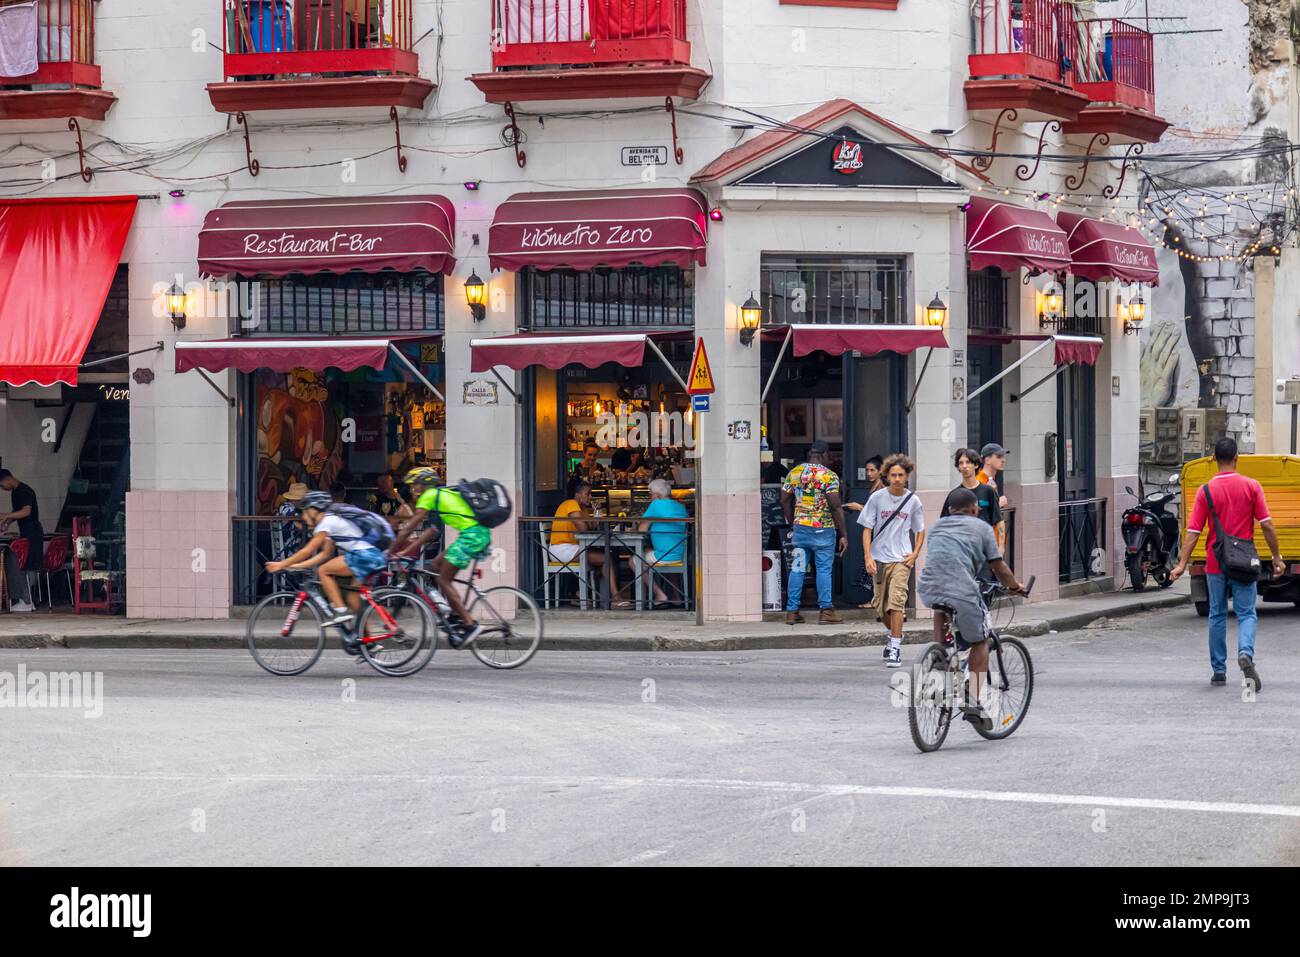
1243, 603
820, 544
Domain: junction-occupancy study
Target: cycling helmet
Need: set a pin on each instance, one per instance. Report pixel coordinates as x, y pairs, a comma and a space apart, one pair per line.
423, 475
317, 500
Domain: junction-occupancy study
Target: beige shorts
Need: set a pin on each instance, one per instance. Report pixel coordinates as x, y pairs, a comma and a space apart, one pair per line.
892, 584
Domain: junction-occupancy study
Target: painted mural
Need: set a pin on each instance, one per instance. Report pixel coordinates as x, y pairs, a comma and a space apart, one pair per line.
1198, 343
297, 434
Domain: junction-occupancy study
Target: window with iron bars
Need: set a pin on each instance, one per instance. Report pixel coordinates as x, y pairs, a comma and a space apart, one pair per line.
1085, 314
634, 297
869, 290
342, 304
986, 293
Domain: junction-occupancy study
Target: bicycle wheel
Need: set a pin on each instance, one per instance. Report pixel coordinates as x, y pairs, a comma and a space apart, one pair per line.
282, 641
512, 627
1011, 685
929, 708
403, 646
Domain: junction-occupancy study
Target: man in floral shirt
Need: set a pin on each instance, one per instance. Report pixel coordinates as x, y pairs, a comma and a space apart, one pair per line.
810, 497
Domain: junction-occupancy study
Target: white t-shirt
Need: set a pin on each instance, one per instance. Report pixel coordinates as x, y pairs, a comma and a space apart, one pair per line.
896, 544
352, 537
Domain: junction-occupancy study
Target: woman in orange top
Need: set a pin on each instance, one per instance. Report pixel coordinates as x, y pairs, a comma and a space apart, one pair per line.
569, 520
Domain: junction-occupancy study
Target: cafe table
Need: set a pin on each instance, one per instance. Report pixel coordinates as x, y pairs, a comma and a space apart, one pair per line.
630, 539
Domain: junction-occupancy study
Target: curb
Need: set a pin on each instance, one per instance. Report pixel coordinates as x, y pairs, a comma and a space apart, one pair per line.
794, 639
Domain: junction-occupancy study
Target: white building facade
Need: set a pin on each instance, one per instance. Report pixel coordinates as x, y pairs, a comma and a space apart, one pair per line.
836, 159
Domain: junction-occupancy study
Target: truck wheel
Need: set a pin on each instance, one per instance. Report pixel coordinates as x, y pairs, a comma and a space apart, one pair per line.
1203, 609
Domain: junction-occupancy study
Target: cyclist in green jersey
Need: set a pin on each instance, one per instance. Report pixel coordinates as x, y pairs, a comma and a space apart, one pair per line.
472, 541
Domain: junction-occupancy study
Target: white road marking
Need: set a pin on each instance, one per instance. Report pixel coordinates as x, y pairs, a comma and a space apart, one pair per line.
712, 784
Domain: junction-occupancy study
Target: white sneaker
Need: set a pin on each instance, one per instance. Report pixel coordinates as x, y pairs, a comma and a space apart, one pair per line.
22, 606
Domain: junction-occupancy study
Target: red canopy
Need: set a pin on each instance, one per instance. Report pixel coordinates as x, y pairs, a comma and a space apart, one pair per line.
368, 233
1081, 350
57, 260
582, 229
868, 340
281, 355
1101, 250
1009, 237
557, 350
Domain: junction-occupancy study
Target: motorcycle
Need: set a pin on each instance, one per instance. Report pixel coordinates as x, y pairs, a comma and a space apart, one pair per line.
1151, 538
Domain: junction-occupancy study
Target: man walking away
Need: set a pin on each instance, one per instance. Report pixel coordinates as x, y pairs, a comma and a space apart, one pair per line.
888, 523
810, 497
26, 511
1232, 503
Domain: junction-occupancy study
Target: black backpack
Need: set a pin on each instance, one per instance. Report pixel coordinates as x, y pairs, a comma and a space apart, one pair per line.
375, 530
487, 499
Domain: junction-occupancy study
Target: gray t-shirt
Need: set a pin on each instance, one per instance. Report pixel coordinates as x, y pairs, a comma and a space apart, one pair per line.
896, 544
955, 551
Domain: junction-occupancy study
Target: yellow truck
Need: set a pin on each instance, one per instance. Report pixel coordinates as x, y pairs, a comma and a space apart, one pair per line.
1280, 477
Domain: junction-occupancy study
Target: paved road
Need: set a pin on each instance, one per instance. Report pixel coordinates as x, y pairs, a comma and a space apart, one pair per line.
604, 758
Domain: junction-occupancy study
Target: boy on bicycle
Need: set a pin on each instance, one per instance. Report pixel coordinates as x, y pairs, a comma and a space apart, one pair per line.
473, 540
335, 528
959, 545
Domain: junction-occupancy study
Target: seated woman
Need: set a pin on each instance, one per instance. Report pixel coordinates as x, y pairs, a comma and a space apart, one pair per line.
570, 518
667, 539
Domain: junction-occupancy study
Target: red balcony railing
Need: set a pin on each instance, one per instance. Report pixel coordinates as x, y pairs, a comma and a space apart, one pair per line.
65, 45
560, 33
1116, 64
1033, 39
268, 38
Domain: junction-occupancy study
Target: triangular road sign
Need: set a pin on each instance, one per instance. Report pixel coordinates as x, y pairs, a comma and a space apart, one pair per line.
700, 381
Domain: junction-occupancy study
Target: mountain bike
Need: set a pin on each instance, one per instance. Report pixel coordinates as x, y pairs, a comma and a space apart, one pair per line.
511, 621
394, 632
939, 680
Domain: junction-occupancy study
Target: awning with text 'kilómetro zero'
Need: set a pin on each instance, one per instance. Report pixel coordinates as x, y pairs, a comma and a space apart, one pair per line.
1100, 250
338, 234
57, 261
1010, 237
583, 229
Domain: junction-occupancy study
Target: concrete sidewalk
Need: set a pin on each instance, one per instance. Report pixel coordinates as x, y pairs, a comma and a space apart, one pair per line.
599, 632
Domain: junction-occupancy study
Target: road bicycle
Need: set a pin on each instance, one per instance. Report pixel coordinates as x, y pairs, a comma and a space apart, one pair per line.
510, 619
394, 632
939, 680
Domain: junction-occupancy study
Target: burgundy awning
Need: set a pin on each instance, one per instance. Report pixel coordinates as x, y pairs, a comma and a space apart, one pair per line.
1100, 250
1069, 349
1010, 237
866, 339
557, 350
282, 355
368, 233
1078, 350
582, 229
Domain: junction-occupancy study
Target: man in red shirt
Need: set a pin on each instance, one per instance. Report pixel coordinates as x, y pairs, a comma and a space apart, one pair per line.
1239, 504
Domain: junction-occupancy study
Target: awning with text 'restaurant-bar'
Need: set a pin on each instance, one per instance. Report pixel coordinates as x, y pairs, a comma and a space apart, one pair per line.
57, 262
339, 234
1100, 250
557, 350
1070, 350
583, 229
1011, 237
282, 355
867, 340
